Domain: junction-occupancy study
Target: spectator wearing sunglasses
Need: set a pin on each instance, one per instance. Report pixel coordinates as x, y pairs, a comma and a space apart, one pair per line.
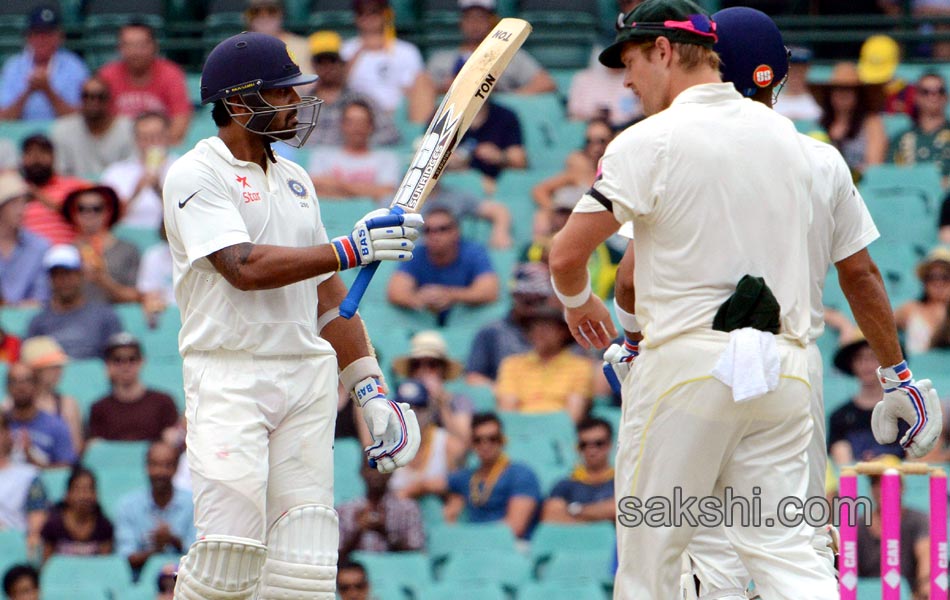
497, 489
90, 140
928, 139
351, 581
588, 494
920, 319
131, 412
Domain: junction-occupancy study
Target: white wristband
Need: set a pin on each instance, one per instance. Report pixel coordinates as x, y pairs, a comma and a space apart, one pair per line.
358, 370
627, 320
577, 299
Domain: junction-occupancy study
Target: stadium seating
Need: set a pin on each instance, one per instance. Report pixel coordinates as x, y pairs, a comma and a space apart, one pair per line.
86, 381
575, 566
83, 589
106, 454
110, 573
407, 570
115, 483
465, 537
54, 482
560, 590
870, 587
551, 538
347, 459
508, 569
449, 589
12, 549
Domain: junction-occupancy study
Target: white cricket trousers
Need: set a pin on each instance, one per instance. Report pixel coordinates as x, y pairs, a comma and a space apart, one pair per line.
682, 430
260, 437
713, 560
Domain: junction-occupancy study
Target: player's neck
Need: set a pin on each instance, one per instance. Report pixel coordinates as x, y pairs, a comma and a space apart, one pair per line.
681, 80
244, 145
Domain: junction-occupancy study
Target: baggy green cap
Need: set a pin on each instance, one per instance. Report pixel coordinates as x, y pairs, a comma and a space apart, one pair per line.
681, 21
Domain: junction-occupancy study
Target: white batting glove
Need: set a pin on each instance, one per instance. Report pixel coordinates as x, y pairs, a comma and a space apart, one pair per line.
915, 402
379, 235
392, 425
617, 361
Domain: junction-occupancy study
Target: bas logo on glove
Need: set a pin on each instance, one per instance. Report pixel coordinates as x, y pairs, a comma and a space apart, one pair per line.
378, 236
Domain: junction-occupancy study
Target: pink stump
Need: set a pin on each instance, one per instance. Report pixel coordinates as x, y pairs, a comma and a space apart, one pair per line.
848, 537
938, 535
891, 535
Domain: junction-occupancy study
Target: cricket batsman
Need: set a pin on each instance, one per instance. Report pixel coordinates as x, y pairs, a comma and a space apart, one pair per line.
718, 396
256, 279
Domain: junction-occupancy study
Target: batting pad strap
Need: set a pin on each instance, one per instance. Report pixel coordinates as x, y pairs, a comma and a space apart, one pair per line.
577, 299
302, 555
221, 567
627, 320
358, 370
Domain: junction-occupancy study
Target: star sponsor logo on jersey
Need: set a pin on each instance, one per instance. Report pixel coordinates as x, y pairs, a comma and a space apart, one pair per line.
297, 188
182, 203
763, 76
242, 181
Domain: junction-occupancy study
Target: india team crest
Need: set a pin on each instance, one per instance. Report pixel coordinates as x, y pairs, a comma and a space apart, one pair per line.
763, 76
297, 188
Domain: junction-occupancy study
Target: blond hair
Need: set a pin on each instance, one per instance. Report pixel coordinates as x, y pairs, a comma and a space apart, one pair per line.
690, 56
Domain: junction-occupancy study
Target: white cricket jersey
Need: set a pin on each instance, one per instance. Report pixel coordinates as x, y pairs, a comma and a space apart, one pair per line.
717, 186
841, 224
212, 201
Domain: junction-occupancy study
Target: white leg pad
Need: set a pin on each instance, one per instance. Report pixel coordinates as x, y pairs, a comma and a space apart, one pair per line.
302, 555
221, 567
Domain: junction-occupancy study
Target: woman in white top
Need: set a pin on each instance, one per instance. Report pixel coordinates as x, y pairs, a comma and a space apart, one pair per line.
919, 319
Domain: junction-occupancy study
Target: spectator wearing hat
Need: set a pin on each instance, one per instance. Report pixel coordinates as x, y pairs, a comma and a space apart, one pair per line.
467, 205
95, 137
76, 526
22, 582
530, 290
523, 75
446, 270
139, 177
796, 101
131, 412
381, 521
23, 508
332, 89
928, 139
439, 453
850, 438
42, 439
22, 277
497, 489
492, 144
79, 325
48, 190
877, 65
110, 265
44, 80
429, 363
387, 69
549, 377
142, 81
588, 494
267, 16
352, 582
356, 169
46, 357
919, 319
851, 116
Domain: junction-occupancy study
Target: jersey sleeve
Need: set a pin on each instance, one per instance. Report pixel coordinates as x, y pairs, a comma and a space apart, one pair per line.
854, 229
205, 218
628, 179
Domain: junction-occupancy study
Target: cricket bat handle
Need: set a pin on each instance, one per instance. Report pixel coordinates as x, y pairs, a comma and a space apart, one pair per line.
352, 301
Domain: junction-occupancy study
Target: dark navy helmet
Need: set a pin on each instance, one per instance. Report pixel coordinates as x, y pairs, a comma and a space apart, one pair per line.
750, 46
248, 63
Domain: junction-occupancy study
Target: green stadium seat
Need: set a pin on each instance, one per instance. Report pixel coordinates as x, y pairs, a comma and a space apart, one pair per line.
17, 131
555, 427
339, 215
81, 590
933, 365
562, 51
548, 136
141, 238
166, 376
12, 549
408, 570
870, 587
481, 396
912, 209
897, 260
348, 457
137, 592
449, 589
86, 381
539, 454
332, 14
611, 414
550, 538
431, 508
896, 124
110, 572
575, 566
17, 320
561, 591
160, 343
113, 485
54, 482
838, 390
923, 177
465, 537
106, 454
507, 569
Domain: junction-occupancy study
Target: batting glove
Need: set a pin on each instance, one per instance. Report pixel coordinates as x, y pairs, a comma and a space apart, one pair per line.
617, 361
915, 402
392, 425
380, 235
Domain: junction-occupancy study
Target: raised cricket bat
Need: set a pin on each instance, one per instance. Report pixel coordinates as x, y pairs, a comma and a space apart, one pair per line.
465, 98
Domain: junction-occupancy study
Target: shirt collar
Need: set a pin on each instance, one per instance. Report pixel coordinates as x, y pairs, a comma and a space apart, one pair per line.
707, 93
218, 146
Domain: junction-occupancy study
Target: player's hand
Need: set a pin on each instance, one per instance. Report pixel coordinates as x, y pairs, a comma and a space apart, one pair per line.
617, 361
393, 426
379, 235
915, 402
591, 324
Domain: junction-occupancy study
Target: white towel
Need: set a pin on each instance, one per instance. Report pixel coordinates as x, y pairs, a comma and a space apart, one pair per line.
750, 364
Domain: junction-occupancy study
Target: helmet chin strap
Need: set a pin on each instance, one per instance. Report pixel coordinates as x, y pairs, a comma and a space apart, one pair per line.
263, 113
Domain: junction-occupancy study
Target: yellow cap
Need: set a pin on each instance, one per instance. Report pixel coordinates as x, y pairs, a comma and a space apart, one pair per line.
325, 42
880, 56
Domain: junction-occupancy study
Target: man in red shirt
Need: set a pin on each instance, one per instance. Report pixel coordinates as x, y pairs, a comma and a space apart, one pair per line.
142, 81
47, 191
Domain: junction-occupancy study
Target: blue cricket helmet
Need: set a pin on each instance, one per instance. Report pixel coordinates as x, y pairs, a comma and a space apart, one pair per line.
249, 62
750, 46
